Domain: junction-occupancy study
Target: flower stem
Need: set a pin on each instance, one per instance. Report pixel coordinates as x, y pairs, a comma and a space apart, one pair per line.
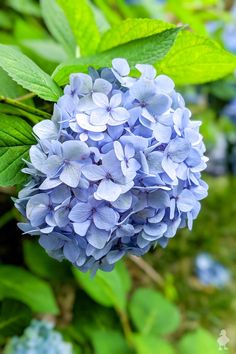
125, 325
26, 96
25, 107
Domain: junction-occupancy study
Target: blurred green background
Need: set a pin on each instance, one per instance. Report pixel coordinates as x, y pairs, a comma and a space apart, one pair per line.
158, 303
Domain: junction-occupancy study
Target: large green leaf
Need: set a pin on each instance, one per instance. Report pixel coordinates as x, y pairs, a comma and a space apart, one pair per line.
27, 74
131, 29
152, 313
83, 24
198, 342
17, 283
146, 344
107, 342
149, 50
15, 140
194, 60
14, 317
108, 289
58, 25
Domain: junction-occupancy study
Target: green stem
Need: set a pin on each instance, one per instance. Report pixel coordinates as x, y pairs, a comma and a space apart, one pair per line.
25, 107
26, 96
125, 325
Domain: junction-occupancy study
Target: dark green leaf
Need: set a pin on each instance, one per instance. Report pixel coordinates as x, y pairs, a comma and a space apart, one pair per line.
149, 50
17, 283
14, 317
152, 313
27, 74
15, 140
58, 25
83, 24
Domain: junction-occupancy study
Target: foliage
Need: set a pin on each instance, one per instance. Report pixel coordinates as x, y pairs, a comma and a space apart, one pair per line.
126, 311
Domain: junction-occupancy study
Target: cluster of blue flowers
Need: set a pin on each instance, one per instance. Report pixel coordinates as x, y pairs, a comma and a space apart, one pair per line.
116, 171
38, 338
211, 272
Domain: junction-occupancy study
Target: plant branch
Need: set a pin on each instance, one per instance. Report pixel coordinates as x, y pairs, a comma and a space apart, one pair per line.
25, 107
146, 268
125, 325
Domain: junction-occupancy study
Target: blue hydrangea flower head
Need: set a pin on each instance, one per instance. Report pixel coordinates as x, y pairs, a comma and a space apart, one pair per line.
210, 272
38, 338
116, 171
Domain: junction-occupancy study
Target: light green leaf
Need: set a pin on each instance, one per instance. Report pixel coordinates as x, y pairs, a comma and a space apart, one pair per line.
15, 140
58, 25
131, 29
150, 344
107, 342
152, 313
112, 16
83, 24
194, 60
27, 74
149, 50
8, 87
107, 289
41, 264
17, 283
46, 49
198, 342
27, 7
14, 317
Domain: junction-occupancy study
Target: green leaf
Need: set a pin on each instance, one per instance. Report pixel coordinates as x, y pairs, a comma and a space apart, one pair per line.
107, 342
146, 344
5, 20
27, 7
17, 283
14, 317
58, 25
8, 87
46, 49
112, 16
152, 313
83, 24
41, 264
194, 60
27, 74
107, 289
149, 50
15, 140
198, 342
131, 29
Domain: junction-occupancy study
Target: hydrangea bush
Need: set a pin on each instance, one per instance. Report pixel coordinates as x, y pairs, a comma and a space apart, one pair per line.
116, 171
38, 338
